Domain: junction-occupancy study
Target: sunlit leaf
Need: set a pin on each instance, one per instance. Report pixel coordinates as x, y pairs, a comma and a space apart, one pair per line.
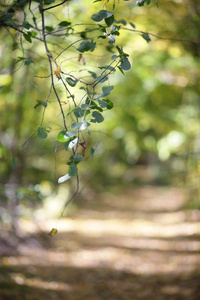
53, 232
80, 126
64, 178
73, 143
63, 135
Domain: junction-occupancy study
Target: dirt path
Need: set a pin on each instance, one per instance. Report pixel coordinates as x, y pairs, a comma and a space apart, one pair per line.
136, 245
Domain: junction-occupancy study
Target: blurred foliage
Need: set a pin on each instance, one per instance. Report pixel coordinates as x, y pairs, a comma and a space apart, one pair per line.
154, 125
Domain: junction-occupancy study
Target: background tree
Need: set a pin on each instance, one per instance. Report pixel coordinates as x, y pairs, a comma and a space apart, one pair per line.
57, 62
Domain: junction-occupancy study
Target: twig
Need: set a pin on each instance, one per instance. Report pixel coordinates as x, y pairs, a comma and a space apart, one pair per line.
160, 37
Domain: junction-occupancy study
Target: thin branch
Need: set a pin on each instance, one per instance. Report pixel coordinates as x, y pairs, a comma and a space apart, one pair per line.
55, 5
162, 38
50, 64
71, 199
22, 145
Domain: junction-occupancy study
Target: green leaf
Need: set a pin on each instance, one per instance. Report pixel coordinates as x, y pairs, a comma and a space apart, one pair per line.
122, 21
27, 37
64, 178
114, 29
92, 150
125, 64
66, 144
71, 110
86, 46
22, 2
98, 118
40, 102
41, 132
76, 158
53, 232
14, 161
140, 2
28, 62
7, 16
103, 103
80, 126
64, 24
72, 82
102, 78
106, 91
114, 57
63, 136
86, 106
26, 25
12, 24
49, 28
33, 33
132, 25
109, 21
146, 37
72, 170
121, 70
102, 14
94, 75
47, 2
110, 104
110, 68
78, 112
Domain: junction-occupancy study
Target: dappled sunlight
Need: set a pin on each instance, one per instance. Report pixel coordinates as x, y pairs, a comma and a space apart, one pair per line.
153, 247
20, 279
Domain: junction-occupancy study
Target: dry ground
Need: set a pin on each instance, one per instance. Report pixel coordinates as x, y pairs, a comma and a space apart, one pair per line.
139, 244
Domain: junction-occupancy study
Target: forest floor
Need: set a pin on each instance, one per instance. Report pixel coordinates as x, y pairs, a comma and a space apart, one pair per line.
137, 244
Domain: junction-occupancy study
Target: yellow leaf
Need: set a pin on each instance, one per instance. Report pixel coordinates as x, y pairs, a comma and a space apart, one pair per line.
57, 71
53, 232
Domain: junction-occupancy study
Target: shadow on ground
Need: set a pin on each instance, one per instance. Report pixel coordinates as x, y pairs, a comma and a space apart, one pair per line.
139, 244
